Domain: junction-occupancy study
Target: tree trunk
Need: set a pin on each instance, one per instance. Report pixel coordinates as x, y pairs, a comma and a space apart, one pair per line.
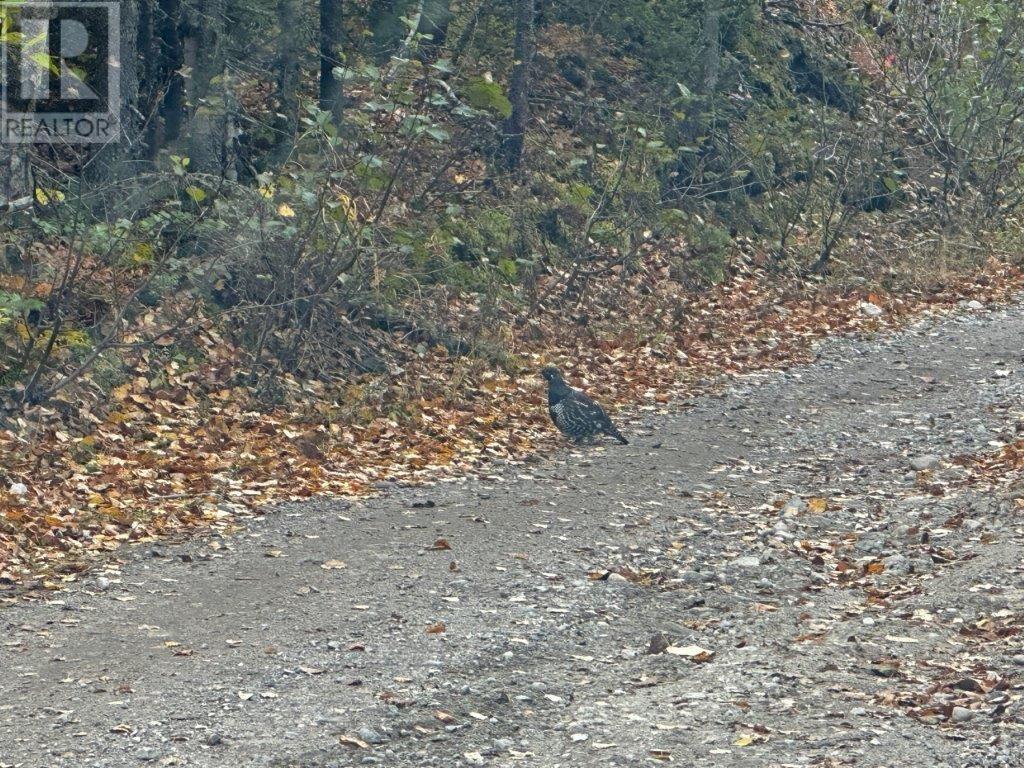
519, 92
204, 53
288, 53
119, 160
711, 45
171, 60
331, 33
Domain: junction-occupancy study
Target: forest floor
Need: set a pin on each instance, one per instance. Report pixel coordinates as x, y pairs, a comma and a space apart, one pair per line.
810, 568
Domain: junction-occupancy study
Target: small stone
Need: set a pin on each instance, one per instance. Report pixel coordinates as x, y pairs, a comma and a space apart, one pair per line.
869, 309
898, 565
370, 736
616, 578
503, 745
213, 740
922, 463
146, 754
975, 304
961, 715
794, 506
747, 561
18, 489
474, 758
658, 643
579, 737
102, 583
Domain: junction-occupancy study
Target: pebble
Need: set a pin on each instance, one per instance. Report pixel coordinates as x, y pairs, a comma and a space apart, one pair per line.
370, 736
747, 561
961, 715
898, 565
869, 309
921, 463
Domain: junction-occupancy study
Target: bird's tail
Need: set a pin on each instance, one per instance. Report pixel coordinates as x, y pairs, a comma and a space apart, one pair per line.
613, 432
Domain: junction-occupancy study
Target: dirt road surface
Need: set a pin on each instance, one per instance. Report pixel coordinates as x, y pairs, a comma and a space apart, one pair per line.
789, 573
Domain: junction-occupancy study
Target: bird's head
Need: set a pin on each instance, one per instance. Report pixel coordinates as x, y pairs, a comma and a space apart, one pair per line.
551, 374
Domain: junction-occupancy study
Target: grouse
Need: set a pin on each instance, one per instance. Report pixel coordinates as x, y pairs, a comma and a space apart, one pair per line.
577, 416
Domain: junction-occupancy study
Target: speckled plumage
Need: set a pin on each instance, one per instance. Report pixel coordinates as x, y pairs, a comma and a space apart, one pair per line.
577, 416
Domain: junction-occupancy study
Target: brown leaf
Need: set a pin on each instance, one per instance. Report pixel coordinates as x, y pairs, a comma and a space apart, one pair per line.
353, 741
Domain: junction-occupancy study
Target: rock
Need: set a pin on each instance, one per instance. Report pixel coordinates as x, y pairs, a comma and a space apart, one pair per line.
691, 577
922, 463
747, 561
658, 643
961, 715
794, 506
869, 309
503, 745
975, 304
147, 754
370, 736
473, 758
213, 739
102, 583
18, 489
898, 565
616, 578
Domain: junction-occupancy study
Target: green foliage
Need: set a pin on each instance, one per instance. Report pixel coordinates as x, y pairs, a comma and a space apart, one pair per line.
486, 94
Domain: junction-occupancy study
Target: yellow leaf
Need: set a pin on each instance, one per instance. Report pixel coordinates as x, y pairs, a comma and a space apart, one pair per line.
743, 741
286, 211
817, 505
47, 196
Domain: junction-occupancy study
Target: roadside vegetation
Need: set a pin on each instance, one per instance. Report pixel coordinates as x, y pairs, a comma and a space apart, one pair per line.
337, 239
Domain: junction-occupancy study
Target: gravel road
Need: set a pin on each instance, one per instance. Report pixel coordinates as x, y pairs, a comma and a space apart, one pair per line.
789, 573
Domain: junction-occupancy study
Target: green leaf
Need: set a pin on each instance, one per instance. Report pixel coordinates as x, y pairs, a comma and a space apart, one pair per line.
484, 94
196, 193
438, 133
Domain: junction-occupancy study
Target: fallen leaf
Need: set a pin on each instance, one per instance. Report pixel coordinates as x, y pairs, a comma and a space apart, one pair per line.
352, 741
691, 652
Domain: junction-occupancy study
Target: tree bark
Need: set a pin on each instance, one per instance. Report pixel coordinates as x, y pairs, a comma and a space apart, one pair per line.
287, 80
171, 59
118, 161
332, 99
519, 91
205, 86
712, 45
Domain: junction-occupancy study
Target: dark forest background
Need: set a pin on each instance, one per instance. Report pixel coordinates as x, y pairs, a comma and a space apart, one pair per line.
314, 192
